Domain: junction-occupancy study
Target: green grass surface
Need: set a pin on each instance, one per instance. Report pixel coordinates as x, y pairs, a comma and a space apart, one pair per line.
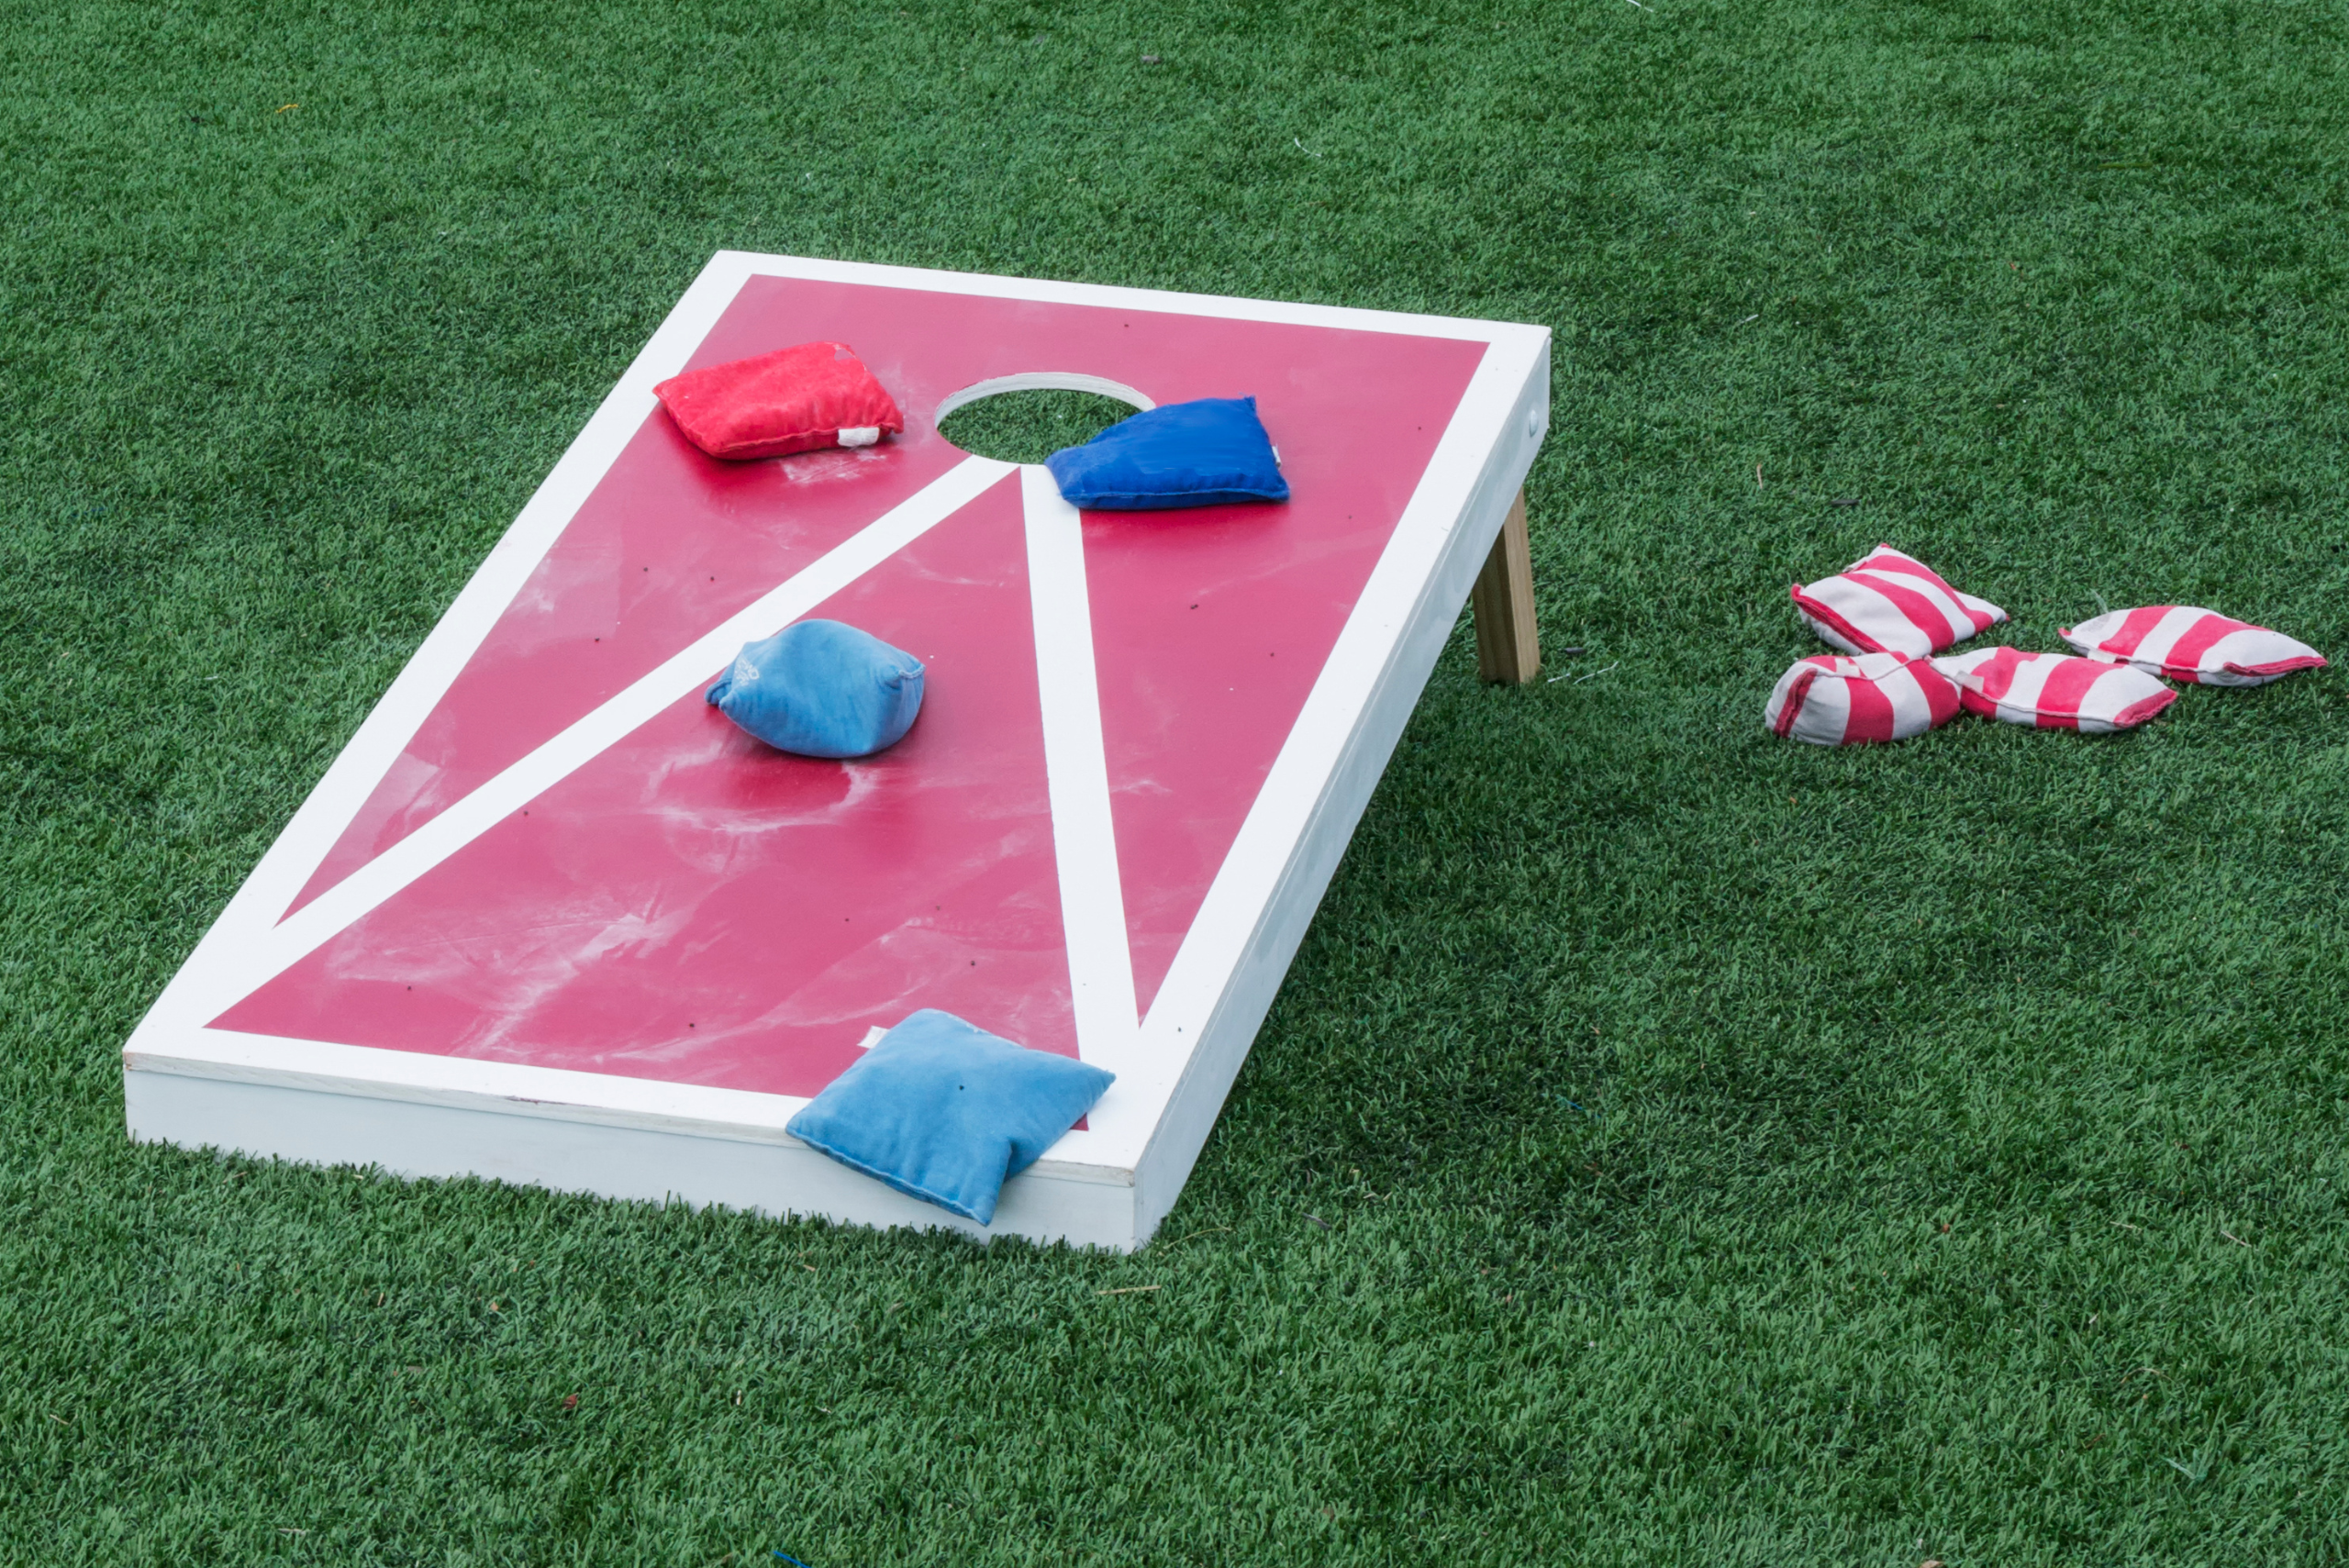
1028, 427
1731, 1152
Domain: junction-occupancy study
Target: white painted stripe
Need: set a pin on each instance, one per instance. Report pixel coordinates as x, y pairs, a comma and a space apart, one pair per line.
351, 780
428, 1078
467, 623
1076, 767
1110, 296
365, 889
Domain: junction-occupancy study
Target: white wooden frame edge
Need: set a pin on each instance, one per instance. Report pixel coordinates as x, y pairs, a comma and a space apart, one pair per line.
1147, 1132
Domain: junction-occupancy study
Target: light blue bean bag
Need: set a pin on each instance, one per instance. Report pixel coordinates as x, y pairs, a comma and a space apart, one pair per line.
821, 689
944, 1111
1202, 454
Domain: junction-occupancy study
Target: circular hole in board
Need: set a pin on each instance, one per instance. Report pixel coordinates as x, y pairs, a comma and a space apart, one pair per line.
1029, 417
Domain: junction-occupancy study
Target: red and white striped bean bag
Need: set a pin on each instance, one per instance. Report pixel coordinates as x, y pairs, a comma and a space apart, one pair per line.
1829, 700
2186, 643
2054, 691
1890, 602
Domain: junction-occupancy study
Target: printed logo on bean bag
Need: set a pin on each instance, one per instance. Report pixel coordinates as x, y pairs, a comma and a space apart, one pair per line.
1890, 602
2186, 642
2054, 691
1830, 700
794, 400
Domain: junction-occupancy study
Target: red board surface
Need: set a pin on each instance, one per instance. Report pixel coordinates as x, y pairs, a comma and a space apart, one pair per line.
693, 907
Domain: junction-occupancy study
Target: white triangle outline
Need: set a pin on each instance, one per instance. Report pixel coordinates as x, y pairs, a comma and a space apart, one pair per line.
1076, 768
1077, 774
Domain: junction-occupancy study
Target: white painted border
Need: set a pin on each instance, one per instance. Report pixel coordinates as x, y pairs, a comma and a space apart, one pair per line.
1114, 297
1278, 825
1147, 1130
290, 861
1454, 554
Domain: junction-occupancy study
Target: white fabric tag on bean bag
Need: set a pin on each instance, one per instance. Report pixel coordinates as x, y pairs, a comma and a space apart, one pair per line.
1890, 603
1830, 700
2054, 691
2185, 643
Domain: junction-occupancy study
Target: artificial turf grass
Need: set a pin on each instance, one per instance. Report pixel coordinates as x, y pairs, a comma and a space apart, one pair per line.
1635, 1062
1028, 427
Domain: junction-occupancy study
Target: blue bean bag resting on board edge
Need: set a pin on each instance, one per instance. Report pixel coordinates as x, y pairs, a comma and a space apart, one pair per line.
821, 689
944, 1111
1203, 453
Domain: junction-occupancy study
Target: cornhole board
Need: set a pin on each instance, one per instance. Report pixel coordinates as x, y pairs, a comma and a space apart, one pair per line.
550, 918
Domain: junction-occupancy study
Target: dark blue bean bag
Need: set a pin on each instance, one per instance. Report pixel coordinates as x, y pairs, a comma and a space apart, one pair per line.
944, 1111
1203, 454
821, 689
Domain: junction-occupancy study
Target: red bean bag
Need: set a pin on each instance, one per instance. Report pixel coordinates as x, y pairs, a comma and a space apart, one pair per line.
794, 400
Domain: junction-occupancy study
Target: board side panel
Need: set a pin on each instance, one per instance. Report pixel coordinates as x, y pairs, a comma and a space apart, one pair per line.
407, 1139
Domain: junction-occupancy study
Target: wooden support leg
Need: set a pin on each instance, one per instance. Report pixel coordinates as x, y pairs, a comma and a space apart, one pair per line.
1508, 650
